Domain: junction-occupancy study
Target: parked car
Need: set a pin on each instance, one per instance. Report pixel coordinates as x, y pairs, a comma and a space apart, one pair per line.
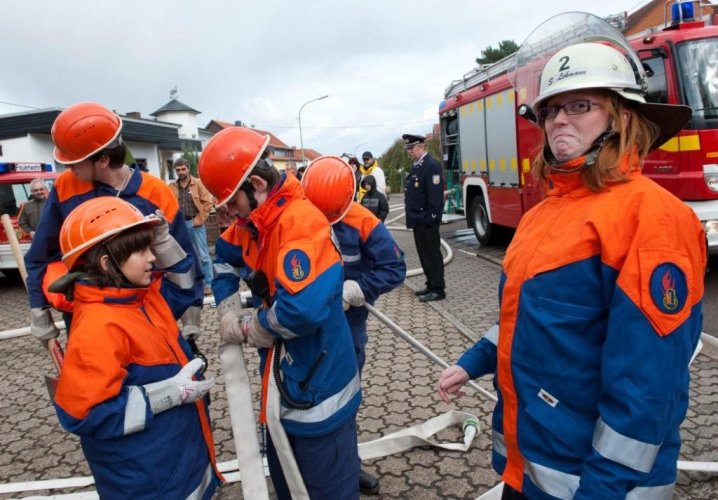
15, 181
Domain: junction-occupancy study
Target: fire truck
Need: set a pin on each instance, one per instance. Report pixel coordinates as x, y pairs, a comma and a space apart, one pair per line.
15, 179
488, 148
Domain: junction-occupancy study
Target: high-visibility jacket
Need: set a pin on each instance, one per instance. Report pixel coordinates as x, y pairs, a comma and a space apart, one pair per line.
304, 271
371, 258
374, 170
122, 339
601, 309
235, 257
144, 191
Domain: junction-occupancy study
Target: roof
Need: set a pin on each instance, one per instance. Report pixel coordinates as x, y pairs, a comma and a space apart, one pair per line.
274, 141
175, 105
310, 154
133, 129
653, 15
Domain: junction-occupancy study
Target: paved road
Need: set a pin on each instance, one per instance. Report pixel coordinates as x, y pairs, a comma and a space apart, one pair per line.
398, 389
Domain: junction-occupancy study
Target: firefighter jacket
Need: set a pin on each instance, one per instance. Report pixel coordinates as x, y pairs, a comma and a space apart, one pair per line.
122, 339
201, 198
235, 258
601, 309
144, 191
424, 193
371, 258
304, 271
376, 171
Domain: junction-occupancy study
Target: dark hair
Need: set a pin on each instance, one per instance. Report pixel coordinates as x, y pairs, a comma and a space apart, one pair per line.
116, 155
181, 162
353, 161
267, 171
121, 247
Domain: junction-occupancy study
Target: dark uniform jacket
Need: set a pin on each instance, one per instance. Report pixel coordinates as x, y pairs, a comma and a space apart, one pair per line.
424, 193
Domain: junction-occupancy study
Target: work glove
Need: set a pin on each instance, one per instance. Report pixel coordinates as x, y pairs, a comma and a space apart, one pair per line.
42, 326
230, 314
179, 389
254, 332
165, 248
352, 294
191, 322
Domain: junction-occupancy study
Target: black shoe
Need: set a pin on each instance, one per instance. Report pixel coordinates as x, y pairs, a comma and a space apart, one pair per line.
431, 296
419, 293
368, 484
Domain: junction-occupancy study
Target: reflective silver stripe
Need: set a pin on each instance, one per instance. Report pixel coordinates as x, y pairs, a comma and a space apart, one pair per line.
135, 410
664, 492
552, 481
182, 280
275, 325
492, 335
351, 258
225, 268
627, 451
499, 445
206, 480
326, 408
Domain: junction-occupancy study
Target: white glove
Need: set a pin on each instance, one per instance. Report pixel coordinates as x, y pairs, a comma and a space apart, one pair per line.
179, 389
255, 333
230, 314
42, 326
352, 294
165, 247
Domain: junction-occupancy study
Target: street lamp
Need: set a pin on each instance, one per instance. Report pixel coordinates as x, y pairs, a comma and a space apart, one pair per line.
301, 141
358, 146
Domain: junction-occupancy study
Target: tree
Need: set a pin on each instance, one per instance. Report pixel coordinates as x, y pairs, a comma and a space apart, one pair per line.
491, 55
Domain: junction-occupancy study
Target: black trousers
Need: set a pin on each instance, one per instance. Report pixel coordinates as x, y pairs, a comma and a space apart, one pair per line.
511, 494
428, 246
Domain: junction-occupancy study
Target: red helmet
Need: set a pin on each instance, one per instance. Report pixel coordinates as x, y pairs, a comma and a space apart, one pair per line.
82, 130
228, 159
330, 184
94, 221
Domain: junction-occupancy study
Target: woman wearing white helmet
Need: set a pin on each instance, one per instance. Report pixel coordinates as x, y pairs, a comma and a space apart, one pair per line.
601, 298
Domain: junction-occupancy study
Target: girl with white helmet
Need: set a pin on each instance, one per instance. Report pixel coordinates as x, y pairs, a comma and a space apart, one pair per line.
601, 295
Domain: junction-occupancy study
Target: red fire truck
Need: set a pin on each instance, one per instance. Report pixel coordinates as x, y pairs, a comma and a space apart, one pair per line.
15, 179
487, 148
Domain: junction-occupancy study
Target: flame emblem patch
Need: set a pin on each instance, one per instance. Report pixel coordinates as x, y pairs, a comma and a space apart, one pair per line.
669, 289
296, 265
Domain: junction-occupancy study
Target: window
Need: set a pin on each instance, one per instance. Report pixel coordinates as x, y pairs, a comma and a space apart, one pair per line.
656, 73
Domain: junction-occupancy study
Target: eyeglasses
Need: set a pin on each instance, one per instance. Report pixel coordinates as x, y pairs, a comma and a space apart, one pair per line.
577, 107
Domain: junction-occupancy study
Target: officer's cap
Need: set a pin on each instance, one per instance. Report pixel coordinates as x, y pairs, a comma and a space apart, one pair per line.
411, 140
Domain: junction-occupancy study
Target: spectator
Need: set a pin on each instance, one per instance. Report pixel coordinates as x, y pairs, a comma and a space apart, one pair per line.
301, 171
373, 200
354, 163
196, 204
291, 168
371, 167
30, 214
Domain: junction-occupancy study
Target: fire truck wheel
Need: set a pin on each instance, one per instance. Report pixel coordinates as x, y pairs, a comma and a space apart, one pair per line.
479, 221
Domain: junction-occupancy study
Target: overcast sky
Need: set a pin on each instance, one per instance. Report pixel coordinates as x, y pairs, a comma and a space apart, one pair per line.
384, 63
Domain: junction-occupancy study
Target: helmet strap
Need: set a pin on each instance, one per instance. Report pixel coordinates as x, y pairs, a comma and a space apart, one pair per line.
582, 162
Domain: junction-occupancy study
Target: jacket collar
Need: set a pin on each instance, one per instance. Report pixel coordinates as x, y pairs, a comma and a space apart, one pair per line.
127, 297
287, 189
571, 183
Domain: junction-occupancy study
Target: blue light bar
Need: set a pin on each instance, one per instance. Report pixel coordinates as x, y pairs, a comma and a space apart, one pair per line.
681, 11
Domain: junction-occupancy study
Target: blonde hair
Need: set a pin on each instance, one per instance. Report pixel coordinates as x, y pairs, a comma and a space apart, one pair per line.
633, 135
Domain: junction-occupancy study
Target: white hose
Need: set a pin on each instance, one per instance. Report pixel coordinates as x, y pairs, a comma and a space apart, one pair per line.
244, 425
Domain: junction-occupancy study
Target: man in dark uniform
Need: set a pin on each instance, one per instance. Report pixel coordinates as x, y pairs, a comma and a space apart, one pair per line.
424, 200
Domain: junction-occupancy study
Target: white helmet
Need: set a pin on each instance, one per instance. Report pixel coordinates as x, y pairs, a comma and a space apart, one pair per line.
588, 66
598, 66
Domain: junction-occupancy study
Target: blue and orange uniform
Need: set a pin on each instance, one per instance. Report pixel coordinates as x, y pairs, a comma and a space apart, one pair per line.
371, 258
235, 257
124, 338
144, 191
304, 271
601, 309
